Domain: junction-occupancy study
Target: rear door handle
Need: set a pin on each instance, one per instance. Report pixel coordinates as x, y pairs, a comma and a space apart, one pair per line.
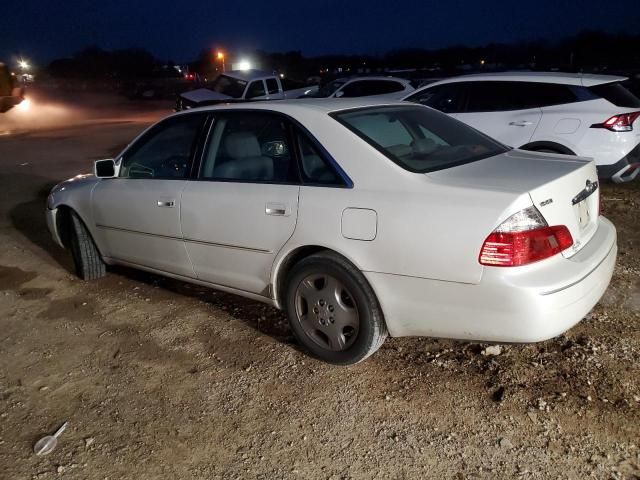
520, 123
278, 209
167, 203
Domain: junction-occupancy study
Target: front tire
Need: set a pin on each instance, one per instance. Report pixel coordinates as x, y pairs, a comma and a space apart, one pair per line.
86, 257
332, 310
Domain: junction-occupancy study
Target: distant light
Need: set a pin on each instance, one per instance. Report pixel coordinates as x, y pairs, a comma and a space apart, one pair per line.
481, 62
244, 65
220, 56
282, 75
23, 64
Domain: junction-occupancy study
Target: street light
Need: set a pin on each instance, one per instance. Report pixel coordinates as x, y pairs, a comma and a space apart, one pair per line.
24, 65
244, 65
220, 56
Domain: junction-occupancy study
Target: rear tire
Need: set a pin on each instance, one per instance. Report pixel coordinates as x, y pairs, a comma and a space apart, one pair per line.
332, 310
86, 257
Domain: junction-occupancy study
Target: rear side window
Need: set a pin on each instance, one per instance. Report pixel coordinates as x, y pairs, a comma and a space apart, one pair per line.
547, 94
272, 86
315, 169
617, 94
495, 96
418, 139
249, 147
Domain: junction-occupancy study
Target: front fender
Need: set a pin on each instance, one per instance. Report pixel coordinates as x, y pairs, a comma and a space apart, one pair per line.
74, 193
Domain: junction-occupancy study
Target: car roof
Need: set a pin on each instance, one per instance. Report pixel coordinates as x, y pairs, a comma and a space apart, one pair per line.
580, 79
373, 77
311, 105
248, 75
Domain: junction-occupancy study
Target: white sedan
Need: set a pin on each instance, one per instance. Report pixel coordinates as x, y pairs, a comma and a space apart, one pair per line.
361, 220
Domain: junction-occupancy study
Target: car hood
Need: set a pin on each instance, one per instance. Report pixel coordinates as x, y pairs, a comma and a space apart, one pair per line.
515, 171
204, 95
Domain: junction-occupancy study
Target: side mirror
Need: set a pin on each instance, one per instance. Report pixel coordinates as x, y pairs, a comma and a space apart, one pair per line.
339, 93
104, 168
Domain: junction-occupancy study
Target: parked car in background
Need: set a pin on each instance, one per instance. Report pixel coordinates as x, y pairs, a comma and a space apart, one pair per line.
573, 114
387, 87
237, 86
11, 94
358, 219
164, 82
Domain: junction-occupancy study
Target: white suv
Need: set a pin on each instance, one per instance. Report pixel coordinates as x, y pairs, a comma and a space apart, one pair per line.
388, 87
573, 114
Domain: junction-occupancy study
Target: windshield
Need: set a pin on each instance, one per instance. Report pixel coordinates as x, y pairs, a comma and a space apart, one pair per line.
229, 86
419, 139
327, 89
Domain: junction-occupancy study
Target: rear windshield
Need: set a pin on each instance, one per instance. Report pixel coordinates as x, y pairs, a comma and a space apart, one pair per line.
617, 94
417, 138
229, 86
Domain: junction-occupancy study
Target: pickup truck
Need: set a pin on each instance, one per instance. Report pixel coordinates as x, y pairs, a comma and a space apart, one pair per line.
241, 86
10, 93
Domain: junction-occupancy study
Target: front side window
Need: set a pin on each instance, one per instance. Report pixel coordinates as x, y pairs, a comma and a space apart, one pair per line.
355, 89
250, 147
418, 139
166, 151
327, 89
445, 98
495, 96
380, 87
256, 89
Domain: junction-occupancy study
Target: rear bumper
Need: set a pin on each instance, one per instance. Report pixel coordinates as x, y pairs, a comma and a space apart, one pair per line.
624, 170
524, 304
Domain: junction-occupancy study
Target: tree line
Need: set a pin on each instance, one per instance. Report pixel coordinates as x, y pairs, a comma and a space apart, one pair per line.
587, 51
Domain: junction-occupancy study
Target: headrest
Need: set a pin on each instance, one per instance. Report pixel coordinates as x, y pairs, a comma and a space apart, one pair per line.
242, 145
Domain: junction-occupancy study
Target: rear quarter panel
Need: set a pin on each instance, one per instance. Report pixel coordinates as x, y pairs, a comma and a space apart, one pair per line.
431, 232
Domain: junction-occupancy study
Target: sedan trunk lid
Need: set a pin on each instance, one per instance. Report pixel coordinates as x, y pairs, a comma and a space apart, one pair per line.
564, 189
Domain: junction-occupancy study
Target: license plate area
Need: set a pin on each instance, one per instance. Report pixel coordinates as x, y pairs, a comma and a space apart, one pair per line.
583, 214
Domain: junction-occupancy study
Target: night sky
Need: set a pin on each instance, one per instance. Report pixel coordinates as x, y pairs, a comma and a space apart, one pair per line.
178, 30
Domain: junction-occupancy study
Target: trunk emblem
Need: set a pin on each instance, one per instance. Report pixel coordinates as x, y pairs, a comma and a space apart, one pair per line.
588, 190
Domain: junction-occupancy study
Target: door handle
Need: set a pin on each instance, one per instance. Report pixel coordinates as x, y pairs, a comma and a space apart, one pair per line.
166, 203
276, 209
520, 123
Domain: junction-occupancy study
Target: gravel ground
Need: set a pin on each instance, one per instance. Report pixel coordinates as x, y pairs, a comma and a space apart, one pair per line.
160, 379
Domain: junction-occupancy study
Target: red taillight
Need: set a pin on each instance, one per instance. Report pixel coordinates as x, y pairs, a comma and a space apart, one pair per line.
619, 123
510, 249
